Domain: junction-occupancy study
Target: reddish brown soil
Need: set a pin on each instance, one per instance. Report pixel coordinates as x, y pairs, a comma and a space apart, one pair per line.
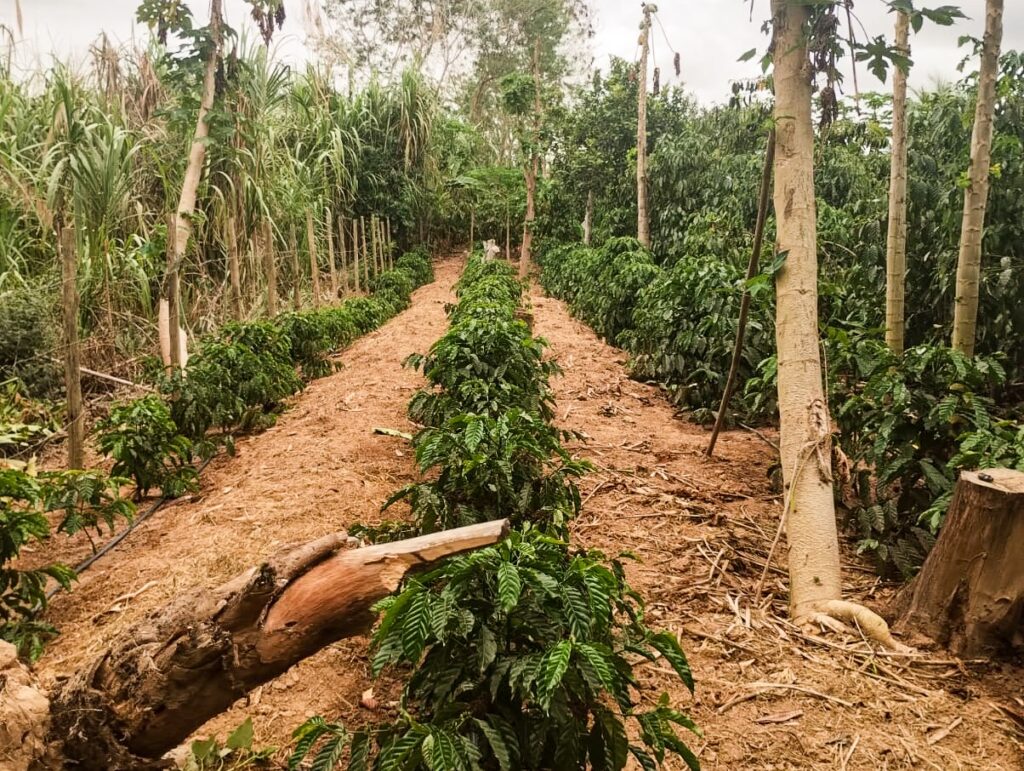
702, 529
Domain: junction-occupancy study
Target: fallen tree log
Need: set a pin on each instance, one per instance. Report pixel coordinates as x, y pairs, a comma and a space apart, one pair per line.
969, 595
189, 661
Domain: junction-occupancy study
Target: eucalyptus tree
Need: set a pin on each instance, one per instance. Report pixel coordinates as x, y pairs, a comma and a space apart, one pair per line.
968, 272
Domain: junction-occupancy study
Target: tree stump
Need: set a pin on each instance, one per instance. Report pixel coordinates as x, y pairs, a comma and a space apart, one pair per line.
969, 595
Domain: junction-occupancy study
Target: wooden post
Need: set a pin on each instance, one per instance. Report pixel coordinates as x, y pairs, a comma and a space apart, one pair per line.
173, 296
293, 247
202, 651
382, 240
472, 227
391, 245
366, 254
330, 257
314, 268
969, 595
588, 218
72, 348
344, 259
752, 269
234, 270
270, 265
355, 251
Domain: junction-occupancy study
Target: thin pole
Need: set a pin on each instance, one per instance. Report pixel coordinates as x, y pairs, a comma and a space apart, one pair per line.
330, 257
314, 268
293, 247
233, 269
270, 264
344, 258
366, 254
173, 295
355, 250
73, 351
752, 269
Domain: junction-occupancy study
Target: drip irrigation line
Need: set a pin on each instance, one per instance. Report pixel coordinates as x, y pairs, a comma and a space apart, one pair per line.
87, 563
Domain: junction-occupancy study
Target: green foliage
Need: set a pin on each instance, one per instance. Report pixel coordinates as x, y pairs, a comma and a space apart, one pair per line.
145, 444
24, 422
418, 267
907, 426
236, 753
86, 498
512, 465
522, 655
29, 341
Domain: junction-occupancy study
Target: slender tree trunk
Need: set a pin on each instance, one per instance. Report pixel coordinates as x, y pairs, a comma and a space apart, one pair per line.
234, 271
391, 245
805, 430
752, 269
532, 169
896, 242
314, 267
344, 258
968, 269
270, 265
508, 234
588, 218
472, 227
643, 225
178, 236
72, 348
293, 247
330, 257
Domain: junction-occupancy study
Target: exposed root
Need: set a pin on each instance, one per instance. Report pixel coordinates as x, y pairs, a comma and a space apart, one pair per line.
831, 614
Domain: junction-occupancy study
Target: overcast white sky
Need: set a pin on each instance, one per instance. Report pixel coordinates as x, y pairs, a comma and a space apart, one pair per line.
709, 34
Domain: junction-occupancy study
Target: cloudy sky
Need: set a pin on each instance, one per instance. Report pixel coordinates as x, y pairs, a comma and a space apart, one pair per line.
709, 35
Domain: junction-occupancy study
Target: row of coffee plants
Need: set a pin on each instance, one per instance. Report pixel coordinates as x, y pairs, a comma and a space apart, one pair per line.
907, 424
520, 655
236, 381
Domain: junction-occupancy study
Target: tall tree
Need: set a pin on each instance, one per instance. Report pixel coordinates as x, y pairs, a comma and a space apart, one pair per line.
968, 269
805, 430
643, 225
896, 241
532, 168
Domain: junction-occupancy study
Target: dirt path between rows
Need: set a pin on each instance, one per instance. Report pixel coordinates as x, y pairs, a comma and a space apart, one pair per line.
318, 470
702, 529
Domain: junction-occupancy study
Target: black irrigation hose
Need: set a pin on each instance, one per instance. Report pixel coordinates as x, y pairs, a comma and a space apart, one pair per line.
86, 564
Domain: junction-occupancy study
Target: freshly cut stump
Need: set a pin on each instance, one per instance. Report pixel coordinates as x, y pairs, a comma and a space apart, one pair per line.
169, 674
969, 595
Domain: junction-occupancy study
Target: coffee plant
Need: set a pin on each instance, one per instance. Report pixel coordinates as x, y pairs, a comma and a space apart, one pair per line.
521, 654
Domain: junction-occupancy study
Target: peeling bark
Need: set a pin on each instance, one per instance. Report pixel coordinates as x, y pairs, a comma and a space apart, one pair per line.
896, 241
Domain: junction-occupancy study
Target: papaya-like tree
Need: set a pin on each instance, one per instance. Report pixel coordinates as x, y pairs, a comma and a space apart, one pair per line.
896, 240
968, 269
805, 430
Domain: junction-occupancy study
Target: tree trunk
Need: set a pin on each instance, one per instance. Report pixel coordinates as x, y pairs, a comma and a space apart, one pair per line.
643, 225
508, 234
804, 427
969, 596
391, 245
588, 218
472, 227
73, 349
314, 267
896, 243
532, 169
752, 269
270, 265
344, 258
968, 269
293, 247
330, 257
190, 660
234, 271
178, 236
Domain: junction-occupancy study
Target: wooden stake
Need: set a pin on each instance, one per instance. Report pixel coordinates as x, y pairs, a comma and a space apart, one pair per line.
293, 247
341, 249
173, 297
314, 267
355, 251
472, 227
72, 348
330, 257
234, 271
270, 265
366, 254
752, 269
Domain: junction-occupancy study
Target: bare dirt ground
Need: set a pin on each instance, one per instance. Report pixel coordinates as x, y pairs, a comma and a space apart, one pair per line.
769, 696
